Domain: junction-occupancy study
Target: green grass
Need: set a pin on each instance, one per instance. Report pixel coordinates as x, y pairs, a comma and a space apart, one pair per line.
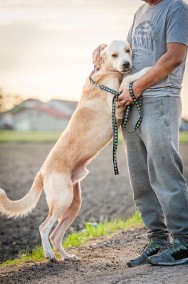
184, 137
28, 136
92, 230
52, 136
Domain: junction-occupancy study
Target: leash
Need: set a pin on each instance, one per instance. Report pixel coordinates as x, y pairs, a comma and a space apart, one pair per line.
125, 118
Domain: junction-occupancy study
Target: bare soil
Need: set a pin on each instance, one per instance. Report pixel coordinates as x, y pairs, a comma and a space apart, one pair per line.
102, 261
104, 196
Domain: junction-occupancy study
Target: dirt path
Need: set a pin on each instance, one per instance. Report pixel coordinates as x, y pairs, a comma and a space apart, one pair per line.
102, 261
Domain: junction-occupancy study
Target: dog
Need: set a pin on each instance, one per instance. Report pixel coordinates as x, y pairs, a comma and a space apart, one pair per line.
88, 131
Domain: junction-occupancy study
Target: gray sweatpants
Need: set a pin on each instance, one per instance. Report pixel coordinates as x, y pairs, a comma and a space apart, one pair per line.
155, 168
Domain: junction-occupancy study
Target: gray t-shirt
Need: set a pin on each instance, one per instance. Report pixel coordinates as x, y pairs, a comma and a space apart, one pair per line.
153, 27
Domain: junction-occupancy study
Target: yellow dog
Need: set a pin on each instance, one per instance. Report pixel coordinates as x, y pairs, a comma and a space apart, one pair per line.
88, 131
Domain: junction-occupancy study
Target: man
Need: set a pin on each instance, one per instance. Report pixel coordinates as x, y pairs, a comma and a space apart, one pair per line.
159, 38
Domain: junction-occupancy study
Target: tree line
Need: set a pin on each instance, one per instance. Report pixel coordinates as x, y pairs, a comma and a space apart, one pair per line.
8, 101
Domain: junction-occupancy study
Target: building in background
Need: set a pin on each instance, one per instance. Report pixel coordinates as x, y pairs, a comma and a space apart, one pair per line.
35, 115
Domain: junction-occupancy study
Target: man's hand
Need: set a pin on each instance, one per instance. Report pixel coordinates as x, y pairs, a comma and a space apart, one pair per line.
96, 56
125, 98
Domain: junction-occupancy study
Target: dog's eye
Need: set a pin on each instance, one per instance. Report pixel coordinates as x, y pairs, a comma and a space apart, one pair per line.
114, 55
128, 50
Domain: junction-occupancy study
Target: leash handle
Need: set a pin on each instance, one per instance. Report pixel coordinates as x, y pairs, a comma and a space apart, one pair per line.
138, 103
116, 94
125, 120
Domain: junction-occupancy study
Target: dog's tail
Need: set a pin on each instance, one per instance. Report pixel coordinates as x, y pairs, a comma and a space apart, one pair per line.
19, 208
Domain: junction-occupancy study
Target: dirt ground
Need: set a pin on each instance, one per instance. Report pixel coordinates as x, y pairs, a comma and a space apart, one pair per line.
104, 195
101, 262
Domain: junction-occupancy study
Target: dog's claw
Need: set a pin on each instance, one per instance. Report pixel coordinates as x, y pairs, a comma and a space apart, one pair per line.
53, 260
51, 257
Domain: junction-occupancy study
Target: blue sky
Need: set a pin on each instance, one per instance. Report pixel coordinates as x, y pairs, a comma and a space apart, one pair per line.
46, 45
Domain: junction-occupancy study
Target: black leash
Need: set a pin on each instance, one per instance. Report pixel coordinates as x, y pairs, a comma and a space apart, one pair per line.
137, 102
125, 120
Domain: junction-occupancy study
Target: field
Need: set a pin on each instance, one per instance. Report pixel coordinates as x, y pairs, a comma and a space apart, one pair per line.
28, 136
184, 137
51, 136
105, 196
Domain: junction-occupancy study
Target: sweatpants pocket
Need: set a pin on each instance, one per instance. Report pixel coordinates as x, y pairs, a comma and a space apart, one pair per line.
164, 110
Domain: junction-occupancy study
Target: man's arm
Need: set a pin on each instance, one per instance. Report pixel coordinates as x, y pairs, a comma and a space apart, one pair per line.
165, 65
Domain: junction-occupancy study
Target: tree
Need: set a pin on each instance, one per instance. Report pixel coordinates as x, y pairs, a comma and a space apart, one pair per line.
8, 101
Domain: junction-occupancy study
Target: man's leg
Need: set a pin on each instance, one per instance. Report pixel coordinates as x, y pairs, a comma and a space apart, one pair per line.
166, 175
165, 165
144, 197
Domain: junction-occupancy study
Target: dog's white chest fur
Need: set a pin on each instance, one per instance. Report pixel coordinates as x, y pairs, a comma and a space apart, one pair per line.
109, 100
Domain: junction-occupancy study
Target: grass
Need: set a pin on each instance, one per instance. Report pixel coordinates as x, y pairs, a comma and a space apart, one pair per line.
184, 137
92, 230
52, 136
28, 136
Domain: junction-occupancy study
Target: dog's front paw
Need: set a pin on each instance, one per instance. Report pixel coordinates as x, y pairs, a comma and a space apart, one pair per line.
119, 115
120, 112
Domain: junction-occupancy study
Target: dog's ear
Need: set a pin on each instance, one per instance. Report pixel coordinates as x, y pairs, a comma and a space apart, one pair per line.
103, 53
98, 55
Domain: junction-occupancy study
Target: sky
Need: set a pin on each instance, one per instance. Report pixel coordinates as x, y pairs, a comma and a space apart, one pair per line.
46, 45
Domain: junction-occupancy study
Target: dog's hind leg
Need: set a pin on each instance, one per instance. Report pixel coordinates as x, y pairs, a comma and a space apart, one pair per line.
64, 223
44, 229
59, 195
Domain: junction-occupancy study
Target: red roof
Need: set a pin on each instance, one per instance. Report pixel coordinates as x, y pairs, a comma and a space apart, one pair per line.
49, 110
52, 111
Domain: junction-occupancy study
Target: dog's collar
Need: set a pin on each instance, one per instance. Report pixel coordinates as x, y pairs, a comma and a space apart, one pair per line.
102, 87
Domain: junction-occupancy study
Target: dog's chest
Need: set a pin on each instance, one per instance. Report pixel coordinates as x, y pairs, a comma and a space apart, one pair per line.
109, 102
114, 85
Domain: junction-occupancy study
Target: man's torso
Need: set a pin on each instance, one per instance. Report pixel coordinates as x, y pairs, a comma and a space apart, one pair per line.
152, 29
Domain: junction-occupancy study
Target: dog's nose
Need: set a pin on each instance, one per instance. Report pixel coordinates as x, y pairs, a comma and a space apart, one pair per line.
126, 64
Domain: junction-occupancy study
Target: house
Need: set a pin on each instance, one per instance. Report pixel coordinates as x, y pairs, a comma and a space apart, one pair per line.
67, 107
36, 115
33, 114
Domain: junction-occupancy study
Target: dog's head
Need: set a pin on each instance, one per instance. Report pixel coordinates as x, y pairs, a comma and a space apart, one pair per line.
117, 56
